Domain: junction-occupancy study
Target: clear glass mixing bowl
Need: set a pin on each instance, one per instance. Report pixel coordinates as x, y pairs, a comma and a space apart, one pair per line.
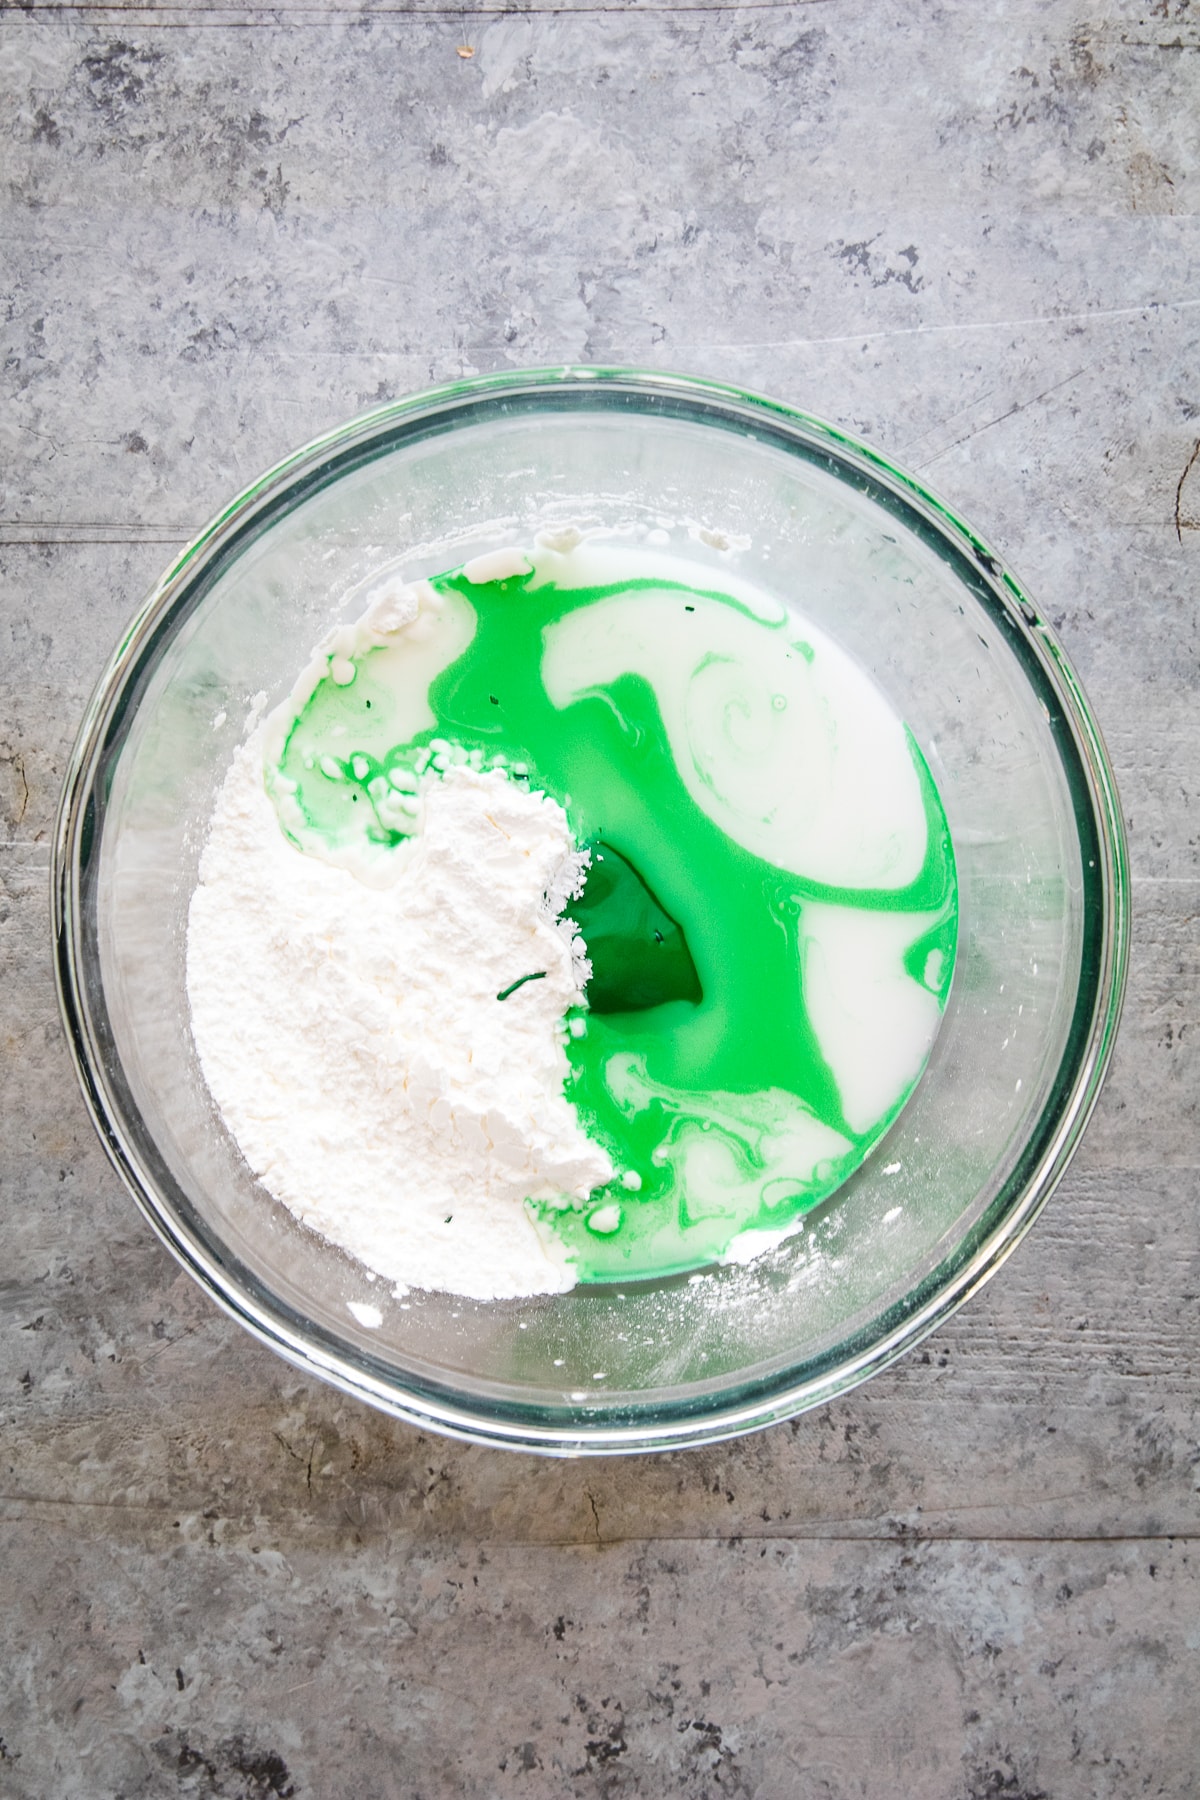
832, 528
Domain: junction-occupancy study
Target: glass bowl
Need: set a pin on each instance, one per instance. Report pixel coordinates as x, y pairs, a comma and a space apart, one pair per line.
967, 661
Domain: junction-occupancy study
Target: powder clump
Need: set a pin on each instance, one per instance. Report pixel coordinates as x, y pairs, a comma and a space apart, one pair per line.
364, 1066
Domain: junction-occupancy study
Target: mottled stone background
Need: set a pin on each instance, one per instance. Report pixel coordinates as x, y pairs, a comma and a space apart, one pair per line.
967, 231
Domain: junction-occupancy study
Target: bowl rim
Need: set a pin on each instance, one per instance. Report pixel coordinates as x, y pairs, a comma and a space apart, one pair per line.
594, 1428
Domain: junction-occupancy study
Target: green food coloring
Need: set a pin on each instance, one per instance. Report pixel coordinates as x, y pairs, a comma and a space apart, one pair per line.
771, 909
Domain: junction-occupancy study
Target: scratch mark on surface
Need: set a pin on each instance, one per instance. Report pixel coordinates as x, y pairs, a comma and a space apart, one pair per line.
167, 1344
18, 763
1097, 315
1187, 469
1020, 406
160, 17
67, 1513
284, 1445
296, 1456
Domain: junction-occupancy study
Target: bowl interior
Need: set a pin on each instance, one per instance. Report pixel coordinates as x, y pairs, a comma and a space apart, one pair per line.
897, 586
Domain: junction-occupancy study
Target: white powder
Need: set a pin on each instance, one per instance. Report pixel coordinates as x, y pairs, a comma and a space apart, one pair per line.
354, 1042
368, 1316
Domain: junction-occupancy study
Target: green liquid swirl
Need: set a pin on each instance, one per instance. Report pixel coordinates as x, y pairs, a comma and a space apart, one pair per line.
719, 1104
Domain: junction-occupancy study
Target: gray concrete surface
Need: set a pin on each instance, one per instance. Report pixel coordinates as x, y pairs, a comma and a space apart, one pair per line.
967, 232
